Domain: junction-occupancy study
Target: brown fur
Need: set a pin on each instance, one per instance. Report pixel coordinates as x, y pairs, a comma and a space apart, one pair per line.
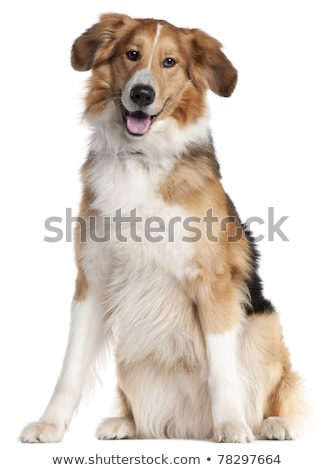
101, 49
224, 266
82, 234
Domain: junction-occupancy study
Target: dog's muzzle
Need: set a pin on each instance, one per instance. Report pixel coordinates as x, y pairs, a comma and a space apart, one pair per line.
138, 122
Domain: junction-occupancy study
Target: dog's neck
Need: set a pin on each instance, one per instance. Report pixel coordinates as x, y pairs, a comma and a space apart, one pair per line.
161, 147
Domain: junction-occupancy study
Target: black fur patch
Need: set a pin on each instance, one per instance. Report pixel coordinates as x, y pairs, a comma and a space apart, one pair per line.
258, 303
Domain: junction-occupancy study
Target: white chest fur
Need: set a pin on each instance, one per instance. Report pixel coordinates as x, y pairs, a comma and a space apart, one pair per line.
141, 270
125, 175
133, 222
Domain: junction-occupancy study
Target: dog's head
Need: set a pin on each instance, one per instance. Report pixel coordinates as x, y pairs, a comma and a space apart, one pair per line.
150, 70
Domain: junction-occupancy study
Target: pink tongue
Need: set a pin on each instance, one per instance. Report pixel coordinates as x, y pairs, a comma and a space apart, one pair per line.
138, 125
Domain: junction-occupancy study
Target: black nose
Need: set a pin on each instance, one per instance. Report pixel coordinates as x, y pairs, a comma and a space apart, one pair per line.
142, 95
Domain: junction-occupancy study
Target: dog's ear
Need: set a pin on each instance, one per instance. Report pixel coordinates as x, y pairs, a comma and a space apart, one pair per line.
97, 44
209, 67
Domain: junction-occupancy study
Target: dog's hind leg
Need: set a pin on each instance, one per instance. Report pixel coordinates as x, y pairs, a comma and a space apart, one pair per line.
86, 338
278, 390
285, 408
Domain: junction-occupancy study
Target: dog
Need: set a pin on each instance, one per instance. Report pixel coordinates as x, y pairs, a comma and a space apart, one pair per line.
199, 350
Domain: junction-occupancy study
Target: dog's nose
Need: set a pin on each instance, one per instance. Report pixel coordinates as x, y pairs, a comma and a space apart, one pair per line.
142, 95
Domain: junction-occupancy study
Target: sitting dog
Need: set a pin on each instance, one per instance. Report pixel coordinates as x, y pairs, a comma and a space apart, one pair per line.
166, 270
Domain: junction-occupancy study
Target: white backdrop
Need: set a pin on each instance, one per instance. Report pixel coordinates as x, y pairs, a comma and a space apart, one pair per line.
275, 141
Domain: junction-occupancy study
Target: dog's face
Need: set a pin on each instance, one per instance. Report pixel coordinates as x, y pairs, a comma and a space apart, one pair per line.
151, 70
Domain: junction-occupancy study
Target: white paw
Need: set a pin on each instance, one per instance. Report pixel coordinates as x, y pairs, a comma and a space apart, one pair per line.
116, 428
42, 432
232, 431
278, 428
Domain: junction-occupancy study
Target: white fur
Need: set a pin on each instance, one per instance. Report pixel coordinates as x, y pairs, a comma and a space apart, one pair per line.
154, 44
126, 174
142, 77
226, 388
278, 428
116, 428
159, 148
224, 376
86, 340
169, 400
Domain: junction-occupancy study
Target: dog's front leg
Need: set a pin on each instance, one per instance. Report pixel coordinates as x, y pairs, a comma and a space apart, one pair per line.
221, 317
225, 388
85, 340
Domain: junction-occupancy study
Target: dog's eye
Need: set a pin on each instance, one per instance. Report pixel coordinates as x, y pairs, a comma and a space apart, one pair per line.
169, 62
133, 55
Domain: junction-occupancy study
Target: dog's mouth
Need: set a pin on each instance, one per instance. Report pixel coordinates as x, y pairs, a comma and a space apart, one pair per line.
137, 122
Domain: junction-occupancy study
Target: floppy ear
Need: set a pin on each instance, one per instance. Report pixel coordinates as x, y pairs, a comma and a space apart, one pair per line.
97, 44
210, 67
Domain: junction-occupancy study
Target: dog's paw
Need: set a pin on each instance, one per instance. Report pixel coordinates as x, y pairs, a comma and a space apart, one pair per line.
116, 428
277, 428
232, 431
42, 432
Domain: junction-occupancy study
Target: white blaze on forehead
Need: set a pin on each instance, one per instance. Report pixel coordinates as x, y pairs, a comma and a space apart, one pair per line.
158, 32
144, 77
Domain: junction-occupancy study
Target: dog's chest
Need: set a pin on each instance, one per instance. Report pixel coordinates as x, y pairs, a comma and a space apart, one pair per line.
134, 226
142, 263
